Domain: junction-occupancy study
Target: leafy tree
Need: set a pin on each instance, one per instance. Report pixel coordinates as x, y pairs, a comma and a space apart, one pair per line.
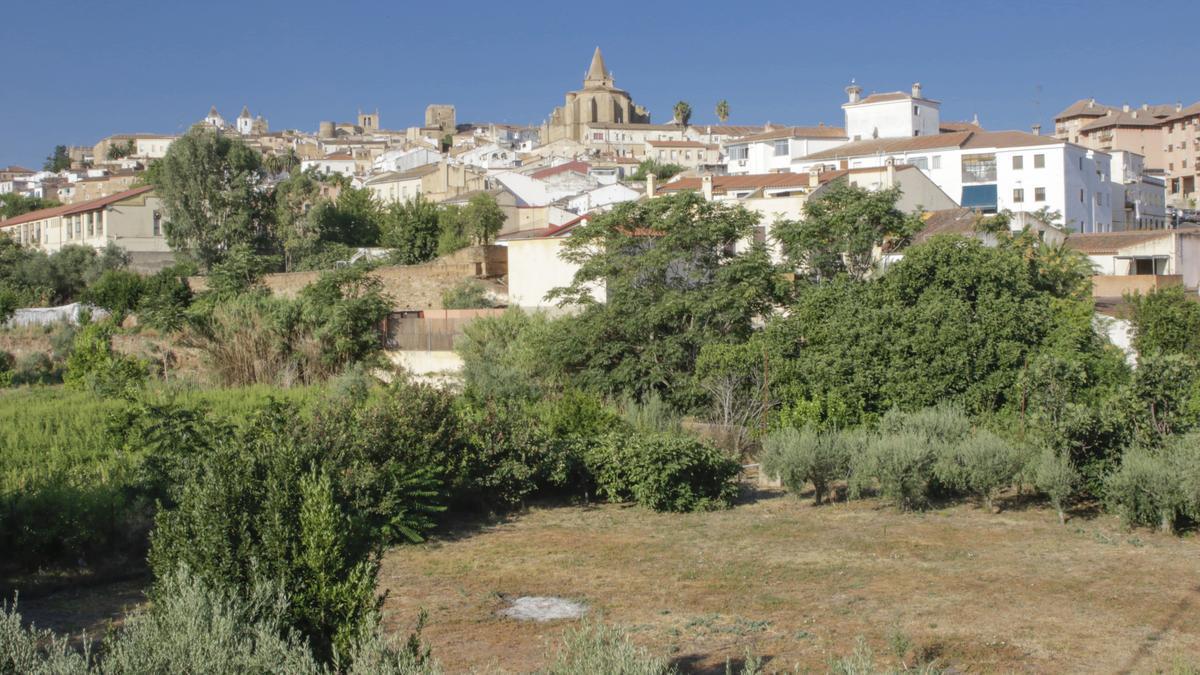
93, 365
503, 356
353, 219
212, 188
59, 160
483, 218
412, 227
723, 111
121, 150
118, 291
295, 227
683, 113
1055, 475
453, 232
663, 172
280, 163
13, 204
1165, 321
675, 280
801, 456
841, 230
344, 309
165, 298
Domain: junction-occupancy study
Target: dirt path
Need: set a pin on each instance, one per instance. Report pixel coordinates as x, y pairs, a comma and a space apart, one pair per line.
984, 592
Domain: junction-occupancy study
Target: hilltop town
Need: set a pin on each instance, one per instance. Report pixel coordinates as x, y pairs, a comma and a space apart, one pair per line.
1103, 168
615, 393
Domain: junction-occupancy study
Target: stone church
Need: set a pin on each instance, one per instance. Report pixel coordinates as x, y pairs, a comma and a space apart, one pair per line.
598, 101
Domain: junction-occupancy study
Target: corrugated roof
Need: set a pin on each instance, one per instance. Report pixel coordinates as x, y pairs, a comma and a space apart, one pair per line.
957, 139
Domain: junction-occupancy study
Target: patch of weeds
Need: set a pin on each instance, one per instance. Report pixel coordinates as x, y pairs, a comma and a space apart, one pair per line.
705, 621
899, 643
1104, 538
1136, 541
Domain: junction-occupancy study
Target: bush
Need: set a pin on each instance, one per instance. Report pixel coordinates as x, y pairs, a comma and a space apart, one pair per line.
263, 507
981, 464
903, 464
1157, 487
165, 299
591, 649
1145, 490
663, 471
7, 364
118, 291
194, 627
1055, 475
798, 457
467, 294
92, 365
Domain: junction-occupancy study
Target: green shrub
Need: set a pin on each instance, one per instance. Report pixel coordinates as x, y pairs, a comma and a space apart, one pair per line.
981, 464
118, 291
467, 294
903, 464
663, 471
37, 368
798, 457
29, 650
1145, 490
92, 364
7, 364
591, 649
650, 415
1054, 474
165, 299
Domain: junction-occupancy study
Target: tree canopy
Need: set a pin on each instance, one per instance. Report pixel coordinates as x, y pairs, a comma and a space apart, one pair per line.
211, 186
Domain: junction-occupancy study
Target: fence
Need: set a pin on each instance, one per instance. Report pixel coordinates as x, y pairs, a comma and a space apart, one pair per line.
432, 330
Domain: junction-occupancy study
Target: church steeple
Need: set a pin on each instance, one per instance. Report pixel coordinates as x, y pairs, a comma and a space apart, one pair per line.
597, 73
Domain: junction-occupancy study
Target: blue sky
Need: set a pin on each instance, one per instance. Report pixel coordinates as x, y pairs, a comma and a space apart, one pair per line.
78, 71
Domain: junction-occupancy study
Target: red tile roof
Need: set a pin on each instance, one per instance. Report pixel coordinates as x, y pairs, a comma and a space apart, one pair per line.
72, 209
576, 166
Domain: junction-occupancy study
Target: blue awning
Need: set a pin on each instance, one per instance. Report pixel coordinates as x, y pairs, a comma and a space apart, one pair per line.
982, 197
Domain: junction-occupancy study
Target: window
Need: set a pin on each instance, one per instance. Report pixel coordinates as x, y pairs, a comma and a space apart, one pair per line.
739, 152
1039, 194
1081, 195
1039, 161
919, 162
157, 223
935, 162
1018, 162
916, 110
1081, 164
597, 136
979, 168
1018, 195
781, 148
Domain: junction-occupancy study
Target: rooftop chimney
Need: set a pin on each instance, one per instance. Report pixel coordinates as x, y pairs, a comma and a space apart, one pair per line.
916, 90
1145, 106
1178, 106
1037, 130
650, 185
853, 92
890, 179
814, 177
1125, 108
706, 186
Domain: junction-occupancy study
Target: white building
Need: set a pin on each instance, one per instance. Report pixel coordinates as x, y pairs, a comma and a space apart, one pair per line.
602, 198
489, 156
1139, 200
214, 119
995, 171
776, 150
338, 162
891, 115
405, 160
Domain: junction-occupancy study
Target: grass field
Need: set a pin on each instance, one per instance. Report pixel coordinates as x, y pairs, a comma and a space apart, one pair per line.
981, 592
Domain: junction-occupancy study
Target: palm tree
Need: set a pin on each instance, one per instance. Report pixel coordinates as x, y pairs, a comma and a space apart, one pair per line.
683, 113
1066, 271
722, 110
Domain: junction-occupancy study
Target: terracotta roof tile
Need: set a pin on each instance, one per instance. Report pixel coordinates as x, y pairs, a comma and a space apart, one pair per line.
1109, 243
576, 166
795, 132
72, 209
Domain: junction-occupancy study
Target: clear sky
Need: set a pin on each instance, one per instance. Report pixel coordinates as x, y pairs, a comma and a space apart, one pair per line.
77, 71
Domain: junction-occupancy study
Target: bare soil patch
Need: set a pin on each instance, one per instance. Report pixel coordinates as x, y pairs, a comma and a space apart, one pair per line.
982, 592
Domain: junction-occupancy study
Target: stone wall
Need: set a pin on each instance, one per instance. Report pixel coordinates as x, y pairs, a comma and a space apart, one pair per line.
410, 286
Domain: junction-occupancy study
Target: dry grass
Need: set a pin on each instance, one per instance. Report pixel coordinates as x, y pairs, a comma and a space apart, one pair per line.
982, 592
